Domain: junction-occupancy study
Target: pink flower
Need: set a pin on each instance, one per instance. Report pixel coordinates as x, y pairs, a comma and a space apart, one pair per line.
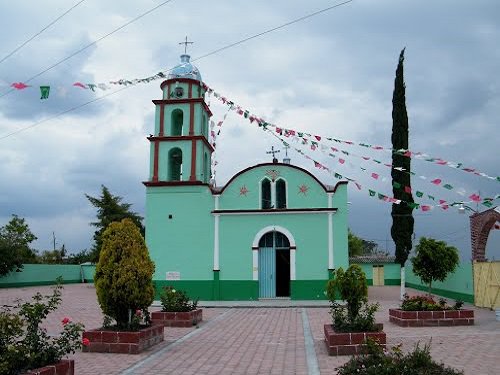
138, 312
66, 321
85, 341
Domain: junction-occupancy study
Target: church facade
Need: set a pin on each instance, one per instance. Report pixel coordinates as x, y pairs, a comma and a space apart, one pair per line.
273, 230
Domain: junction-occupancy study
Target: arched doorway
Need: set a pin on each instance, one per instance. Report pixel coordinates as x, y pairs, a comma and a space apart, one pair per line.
274, 265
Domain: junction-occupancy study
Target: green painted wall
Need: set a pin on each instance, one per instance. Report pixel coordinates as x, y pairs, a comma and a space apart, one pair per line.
88, 271
308, 289
42, 274
392, 272
458, 285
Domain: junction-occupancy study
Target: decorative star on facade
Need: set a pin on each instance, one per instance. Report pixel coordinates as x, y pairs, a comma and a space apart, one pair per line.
243, 190
303, 189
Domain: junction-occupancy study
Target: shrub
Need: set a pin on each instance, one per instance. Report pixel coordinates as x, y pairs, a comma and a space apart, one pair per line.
123, 278
174, 300
357, 315
426, 303
24, 345
379, 362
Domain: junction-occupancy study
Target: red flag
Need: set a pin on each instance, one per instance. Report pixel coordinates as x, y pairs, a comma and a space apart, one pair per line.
318, 137
425, 208
475, 198
408, 189
334, 149
442, 162
407, 154
366, 157
443, 204
375, 176
19, 85
79, 84
437, 181
377, 147
341, 161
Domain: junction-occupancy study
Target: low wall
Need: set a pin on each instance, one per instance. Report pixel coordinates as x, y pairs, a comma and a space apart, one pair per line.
458, 285
42, 274
88, 272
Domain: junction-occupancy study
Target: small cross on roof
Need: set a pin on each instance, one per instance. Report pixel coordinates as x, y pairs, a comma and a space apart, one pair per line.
186, 42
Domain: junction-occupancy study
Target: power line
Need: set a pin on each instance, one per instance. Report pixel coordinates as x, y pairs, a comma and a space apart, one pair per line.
199, 58
41, 31
91, 44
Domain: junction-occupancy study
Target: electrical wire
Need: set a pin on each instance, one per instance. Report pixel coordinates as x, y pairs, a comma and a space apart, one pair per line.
199, 58
91, 44
41, 31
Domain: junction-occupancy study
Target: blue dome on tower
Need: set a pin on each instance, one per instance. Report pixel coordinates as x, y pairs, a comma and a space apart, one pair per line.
185, 70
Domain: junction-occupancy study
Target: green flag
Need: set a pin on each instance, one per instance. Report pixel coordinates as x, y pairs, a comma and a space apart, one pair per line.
381, 196
448, 186
339, 176
44, 91
396, 185
372, 193
488, 203
419, 194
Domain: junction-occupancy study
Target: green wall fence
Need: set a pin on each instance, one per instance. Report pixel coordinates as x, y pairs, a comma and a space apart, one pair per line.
46, 274
458, 285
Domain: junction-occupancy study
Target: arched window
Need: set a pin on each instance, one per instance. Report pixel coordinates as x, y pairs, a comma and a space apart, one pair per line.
175, 164
265, 193
177, 120
204, 125
280, 193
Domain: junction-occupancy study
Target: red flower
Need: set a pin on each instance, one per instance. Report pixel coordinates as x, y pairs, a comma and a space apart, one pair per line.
85, 341
66, 321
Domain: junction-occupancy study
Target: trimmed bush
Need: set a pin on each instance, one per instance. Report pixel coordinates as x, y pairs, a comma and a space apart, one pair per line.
123, 277
175, 300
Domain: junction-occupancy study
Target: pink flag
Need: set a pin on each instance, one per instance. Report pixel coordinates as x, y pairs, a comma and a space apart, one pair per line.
437, 181
348, 142
377, 147
318, 137
79, 84
341, 161
375, 176
19, 85
358, 185
366, 157
475, 198
388, 165
425, 208
407, 154
317, 165
408, 189
443, 204
442, 162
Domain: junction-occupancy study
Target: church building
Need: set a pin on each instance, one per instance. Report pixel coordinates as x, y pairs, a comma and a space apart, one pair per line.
272, 231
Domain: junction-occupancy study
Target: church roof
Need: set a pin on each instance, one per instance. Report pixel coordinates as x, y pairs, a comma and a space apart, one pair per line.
185, 70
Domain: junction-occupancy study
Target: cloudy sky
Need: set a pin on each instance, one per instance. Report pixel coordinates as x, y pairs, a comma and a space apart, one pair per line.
331, 75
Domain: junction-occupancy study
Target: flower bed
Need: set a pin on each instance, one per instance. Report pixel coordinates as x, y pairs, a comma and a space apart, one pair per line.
177, 319
128, 342
431, 318
64, 367
349, 343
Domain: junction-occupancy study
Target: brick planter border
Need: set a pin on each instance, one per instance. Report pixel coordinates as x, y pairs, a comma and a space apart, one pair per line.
177, 319
108, 341
63, 367
431, 318
346, 343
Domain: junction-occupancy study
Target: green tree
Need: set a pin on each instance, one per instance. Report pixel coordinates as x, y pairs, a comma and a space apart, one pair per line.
434, 260
15, 238
354, 244
402, 218
123, 277
81, 257
109, 209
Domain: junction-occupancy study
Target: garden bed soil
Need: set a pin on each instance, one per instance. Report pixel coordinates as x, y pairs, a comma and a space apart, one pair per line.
431, 318
349, 343
63, 367
177, 319
127, 342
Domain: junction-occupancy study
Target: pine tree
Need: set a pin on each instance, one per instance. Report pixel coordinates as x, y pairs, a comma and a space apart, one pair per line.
402, 219
110, 209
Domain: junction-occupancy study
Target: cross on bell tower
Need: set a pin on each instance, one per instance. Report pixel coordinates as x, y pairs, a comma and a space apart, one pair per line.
273, 151
186, 42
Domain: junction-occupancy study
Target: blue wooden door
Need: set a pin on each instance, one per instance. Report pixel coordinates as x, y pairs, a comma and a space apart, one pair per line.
267, 272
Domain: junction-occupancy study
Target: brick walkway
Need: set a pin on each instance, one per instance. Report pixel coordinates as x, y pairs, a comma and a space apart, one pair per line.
265, 340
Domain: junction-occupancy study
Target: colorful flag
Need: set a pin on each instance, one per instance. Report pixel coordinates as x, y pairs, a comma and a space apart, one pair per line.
375, 176
419, 194
79, 84
19, 85
407, 189
371, 192
396, 185
437, 181
44, 92
475, 198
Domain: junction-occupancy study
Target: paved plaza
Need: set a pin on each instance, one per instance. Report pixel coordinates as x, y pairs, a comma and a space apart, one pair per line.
287, 339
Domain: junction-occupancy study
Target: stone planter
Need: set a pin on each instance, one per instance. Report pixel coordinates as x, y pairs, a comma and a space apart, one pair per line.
431, 318
177, 319
109, 341
64, 367
346, 343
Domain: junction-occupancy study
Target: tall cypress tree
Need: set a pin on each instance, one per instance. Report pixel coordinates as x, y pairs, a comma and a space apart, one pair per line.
402, 218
